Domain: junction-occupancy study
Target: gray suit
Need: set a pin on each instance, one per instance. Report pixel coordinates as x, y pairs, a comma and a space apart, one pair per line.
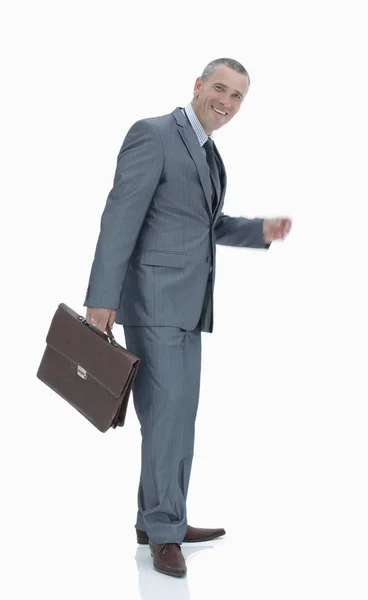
155, 262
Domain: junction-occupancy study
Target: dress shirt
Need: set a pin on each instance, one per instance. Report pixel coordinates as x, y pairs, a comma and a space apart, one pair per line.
198, 128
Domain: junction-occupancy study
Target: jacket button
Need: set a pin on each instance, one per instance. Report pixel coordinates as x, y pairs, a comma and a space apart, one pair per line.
208, 259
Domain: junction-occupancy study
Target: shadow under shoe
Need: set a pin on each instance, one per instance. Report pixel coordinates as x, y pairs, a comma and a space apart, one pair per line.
168, 559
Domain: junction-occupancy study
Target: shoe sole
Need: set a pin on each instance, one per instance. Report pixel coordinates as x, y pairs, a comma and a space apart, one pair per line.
172, 574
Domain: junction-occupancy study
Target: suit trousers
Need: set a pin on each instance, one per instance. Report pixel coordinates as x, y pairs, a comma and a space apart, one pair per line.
165, 394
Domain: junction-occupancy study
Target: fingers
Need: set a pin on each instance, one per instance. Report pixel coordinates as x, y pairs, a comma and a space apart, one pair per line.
88, 316
100, 324
112, 318
278, 229
100, 317
287, 225
283, 226
283, 229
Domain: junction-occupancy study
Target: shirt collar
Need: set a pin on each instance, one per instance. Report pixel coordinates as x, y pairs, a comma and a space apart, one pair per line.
196, 124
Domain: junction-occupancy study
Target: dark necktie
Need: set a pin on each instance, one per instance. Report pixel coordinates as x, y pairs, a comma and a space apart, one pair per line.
211, 160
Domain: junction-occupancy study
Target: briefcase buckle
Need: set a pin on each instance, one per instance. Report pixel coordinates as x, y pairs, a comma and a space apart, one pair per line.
81, 372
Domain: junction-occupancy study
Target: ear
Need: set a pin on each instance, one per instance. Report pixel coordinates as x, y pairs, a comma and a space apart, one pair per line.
197, 85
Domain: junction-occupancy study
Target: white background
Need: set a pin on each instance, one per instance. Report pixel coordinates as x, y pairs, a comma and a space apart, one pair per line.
281, 439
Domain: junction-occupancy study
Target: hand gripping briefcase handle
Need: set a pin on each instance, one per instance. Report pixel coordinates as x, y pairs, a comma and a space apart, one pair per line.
88, 368
108, 331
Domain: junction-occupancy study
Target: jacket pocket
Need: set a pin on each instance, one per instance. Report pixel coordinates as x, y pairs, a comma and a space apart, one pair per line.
163, 259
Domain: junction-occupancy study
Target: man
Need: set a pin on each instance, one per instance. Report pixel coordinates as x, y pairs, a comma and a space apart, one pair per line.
154, 272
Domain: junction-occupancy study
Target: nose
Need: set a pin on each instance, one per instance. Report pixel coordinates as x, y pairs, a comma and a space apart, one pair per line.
225, 101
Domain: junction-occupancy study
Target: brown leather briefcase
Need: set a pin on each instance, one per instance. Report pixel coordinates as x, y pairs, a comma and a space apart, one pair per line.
88, 368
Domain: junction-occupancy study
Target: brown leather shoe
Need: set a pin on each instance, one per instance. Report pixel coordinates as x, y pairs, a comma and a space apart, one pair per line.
193, 534
168, 559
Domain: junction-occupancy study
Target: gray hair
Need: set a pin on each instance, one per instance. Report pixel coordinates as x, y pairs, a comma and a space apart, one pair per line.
228, 62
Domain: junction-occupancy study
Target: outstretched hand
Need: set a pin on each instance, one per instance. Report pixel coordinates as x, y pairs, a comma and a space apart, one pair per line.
276, 229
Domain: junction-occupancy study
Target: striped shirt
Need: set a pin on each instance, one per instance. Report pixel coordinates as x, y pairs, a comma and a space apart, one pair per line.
197, 126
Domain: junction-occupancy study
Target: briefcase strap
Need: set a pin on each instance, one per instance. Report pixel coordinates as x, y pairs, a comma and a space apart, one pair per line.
109, 333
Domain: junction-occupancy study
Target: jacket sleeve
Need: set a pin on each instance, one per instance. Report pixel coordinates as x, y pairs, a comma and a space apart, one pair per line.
138, 170
240, 232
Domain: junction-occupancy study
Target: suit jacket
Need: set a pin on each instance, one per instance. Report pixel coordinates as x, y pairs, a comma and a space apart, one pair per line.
155, 258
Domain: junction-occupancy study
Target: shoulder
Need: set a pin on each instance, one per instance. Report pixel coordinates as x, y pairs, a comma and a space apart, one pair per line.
161, 124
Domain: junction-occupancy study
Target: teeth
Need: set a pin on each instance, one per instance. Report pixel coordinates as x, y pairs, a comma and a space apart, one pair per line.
218, 111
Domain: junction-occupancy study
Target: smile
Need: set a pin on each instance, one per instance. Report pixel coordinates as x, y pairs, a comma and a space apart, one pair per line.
219, 112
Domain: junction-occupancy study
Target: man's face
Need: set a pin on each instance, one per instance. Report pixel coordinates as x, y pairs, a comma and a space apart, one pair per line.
224, 90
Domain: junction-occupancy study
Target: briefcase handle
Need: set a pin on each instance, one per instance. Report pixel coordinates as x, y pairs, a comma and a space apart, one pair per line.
109, 335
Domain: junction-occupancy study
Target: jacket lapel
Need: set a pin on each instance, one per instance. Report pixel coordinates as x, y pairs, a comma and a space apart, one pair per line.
191, 141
